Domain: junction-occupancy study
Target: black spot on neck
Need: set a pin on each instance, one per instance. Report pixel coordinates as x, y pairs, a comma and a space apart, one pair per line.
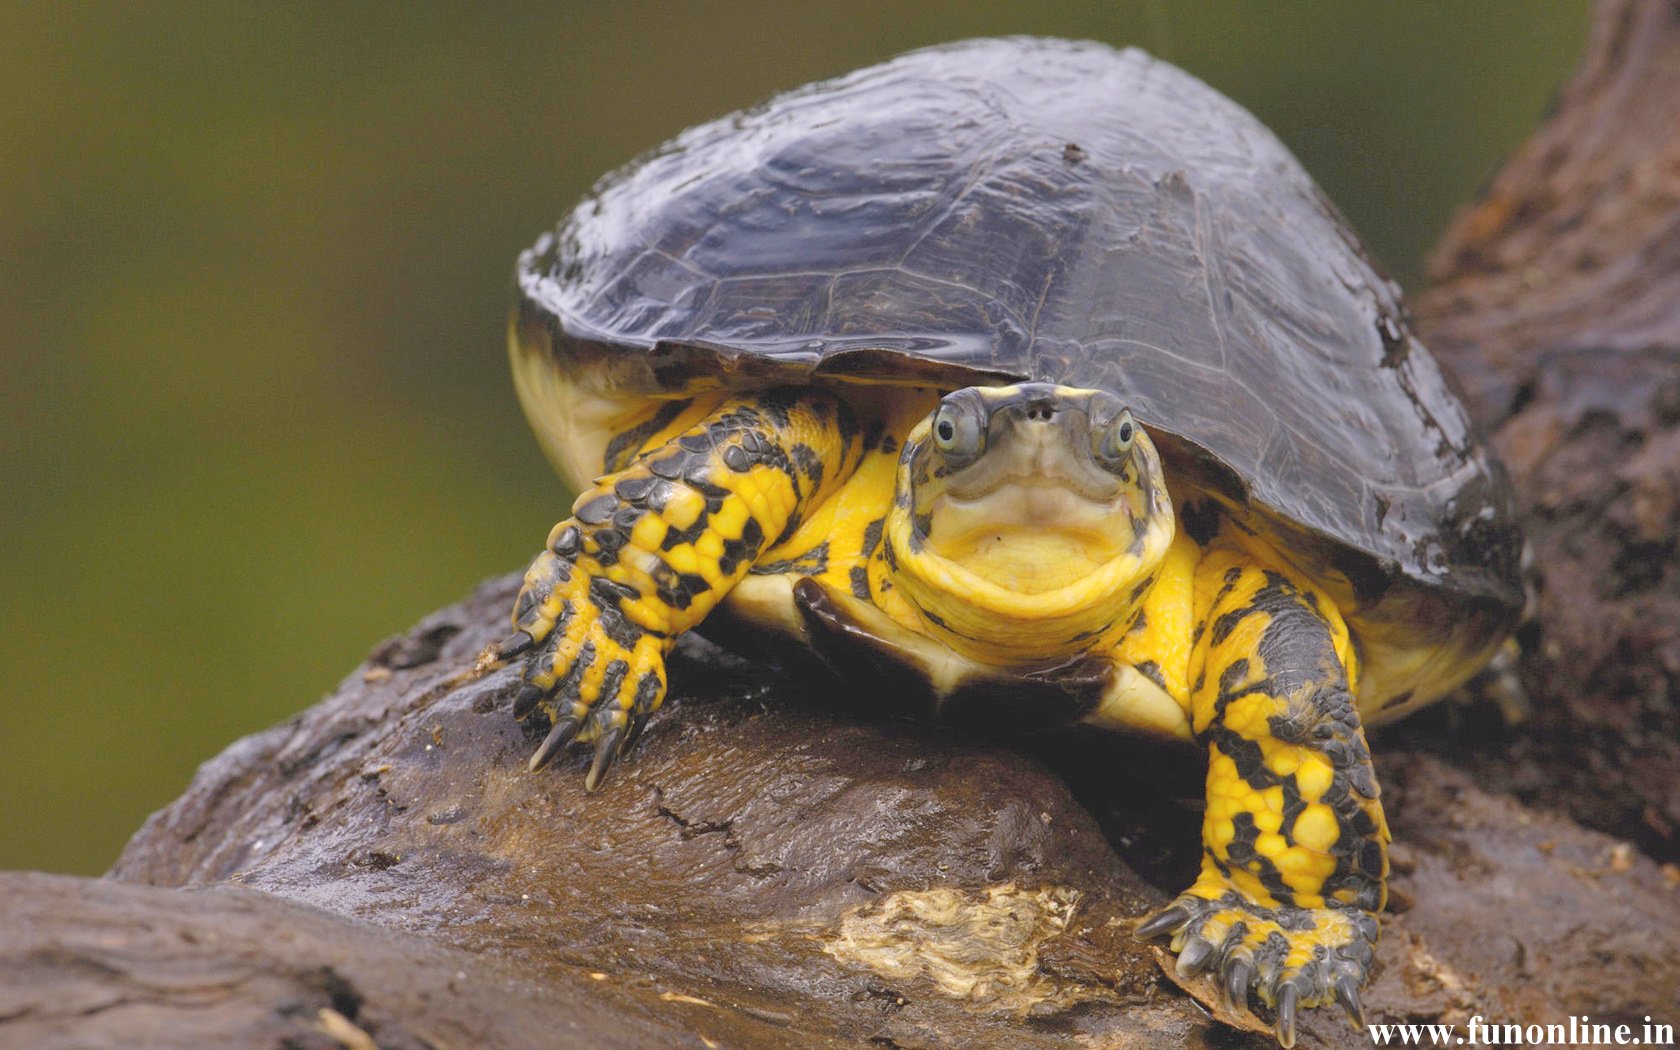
1200, 520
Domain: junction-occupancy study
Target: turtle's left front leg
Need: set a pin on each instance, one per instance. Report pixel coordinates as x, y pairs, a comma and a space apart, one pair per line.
1294, 841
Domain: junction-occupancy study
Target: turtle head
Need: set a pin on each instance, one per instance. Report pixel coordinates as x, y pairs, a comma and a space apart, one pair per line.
1028, 521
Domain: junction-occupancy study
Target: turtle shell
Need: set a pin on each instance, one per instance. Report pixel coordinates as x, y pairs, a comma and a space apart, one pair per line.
1061, 211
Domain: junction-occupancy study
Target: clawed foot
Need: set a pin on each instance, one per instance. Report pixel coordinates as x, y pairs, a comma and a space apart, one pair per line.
1290, 957
595, 673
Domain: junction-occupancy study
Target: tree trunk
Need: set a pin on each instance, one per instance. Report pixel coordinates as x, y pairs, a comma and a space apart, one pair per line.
1556, 299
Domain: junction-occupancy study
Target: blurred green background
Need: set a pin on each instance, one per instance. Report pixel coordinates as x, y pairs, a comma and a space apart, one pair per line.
256, 261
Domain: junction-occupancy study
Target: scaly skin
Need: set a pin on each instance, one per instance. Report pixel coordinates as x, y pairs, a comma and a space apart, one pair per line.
1294, 840
652, 549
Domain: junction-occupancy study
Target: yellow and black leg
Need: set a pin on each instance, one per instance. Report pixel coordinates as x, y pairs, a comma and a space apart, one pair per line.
1294, 840
651, 549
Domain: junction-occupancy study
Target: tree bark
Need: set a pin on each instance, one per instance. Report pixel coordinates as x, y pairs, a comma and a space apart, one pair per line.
1556, 299
90, 963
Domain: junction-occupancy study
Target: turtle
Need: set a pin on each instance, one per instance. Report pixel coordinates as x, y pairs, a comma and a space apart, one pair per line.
1040, 379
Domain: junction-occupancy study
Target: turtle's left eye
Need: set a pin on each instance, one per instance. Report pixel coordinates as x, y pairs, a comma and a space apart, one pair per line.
959, 430
1113, 441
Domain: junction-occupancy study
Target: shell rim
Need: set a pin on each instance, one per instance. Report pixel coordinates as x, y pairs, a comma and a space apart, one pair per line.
658, 369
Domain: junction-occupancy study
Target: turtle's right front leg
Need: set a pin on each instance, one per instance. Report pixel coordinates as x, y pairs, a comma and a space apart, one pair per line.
650, 550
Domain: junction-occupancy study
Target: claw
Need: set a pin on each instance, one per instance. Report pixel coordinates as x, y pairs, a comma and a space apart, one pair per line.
1285, 1025
527, 700
633, 733
1346, 991
1194, 958
606, 749
1238, 972
1162, 922
562, 732
514, 644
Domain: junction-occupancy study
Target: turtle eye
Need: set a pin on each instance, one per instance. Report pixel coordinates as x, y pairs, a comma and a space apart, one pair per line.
959, 432
1113, 441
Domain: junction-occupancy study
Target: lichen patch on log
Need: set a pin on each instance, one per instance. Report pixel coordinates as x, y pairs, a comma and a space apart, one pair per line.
979, 948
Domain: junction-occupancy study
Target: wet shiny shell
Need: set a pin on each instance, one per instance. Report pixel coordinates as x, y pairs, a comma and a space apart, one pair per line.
1043, 209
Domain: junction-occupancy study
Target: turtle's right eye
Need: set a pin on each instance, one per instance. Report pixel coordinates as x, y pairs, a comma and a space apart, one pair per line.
959, 431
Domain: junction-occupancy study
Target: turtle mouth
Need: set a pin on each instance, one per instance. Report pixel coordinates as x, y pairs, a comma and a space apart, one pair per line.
1034, 512
1101, 490
1041, 525
1038, 474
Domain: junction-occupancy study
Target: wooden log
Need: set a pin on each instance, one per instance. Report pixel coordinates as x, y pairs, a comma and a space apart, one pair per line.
1556, 299
762, 858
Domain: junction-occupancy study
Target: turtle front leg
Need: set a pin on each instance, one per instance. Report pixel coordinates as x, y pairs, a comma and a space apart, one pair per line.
651, 549
1294, 840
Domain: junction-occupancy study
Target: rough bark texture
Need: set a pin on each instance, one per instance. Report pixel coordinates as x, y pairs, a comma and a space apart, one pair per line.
760, 863
1556, 298
92, 963
765, 872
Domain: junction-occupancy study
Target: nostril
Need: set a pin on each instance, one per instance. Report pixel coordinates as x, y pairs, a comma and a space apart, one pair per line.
1041, 412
